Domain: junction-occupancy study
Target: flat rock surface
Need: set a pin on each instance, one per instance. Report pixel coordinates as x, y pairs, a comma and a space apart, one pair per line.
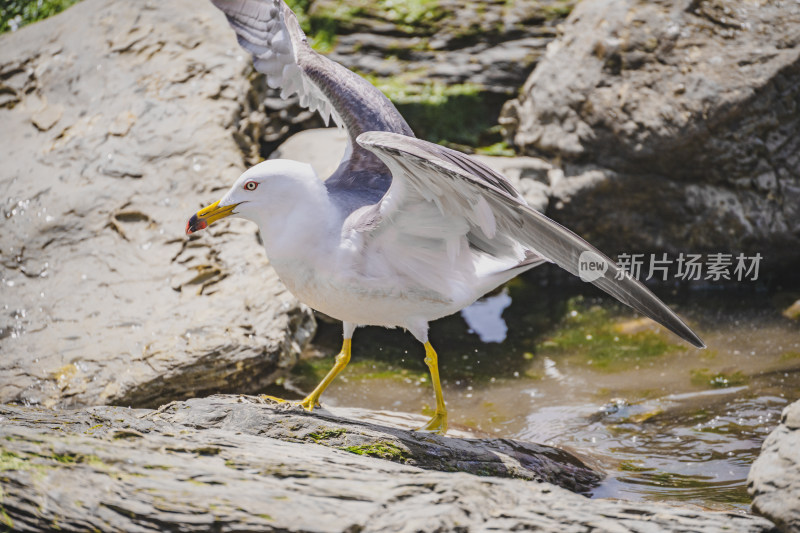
112, 137
774, 480
676, 124
234, 463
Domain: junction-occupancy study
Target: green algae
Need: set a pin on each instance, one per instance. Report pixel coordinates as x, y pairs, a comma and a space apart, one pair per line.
311, 371
717, 380
590, 334
633, 466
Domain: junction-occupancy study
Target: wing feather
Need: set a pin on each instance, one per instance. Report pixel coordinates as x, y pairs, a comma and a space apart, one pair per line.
270, 32
457, 184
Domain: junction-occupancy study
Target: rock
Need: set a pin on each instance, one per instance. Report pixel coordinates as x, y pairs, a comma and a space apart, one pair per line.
124, 121
448, 65
688, 111
491, 44
240, 463
532, 176
46, 118
322, 148
793, 311
774, 480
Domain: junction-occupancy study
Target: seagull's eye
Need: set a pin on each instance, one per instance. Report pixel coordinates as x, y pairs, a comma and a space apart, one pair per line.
250, 186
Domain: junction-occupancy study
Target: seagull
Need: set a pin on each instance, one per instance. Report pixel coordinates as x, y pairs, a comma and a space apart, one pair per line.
404, 231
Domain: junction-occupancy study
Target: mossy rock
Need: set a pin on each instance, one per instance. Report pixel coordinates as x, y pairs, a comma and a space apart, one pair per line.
596, 336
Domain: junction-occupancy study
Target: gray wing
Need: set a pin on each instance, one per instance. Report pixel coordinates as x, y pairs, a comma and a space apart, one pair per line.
269, 30
500, 222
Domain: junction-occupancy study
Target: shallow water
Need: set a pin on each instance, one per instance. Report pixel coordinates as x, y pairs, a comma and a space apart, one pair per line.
576, 370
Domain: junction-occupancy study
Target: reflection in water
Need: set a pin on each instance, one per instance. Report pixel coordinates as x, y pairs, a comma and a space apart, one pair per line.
485, 317
665, 420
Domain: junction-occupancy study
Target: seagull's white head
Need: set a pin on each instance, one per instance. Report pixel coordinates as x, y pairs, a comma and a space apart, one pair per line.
264, 193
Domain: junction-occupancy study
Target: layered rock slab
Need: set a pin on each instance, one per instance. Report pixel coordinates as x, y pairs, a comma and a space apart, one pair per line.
119, 122
243, 464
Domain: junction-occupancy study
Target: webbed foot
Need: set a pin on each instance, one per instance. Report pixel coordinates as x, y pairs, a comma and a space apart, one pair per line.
437, 424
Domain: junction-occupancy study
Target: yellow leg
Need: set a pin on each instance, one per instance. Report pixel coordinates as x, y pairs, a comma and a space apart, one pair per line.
437, 424
312, 400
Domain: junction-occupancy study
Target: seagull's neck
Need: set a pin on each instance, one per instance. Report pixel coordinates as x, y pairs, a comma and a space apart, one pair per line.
302, 228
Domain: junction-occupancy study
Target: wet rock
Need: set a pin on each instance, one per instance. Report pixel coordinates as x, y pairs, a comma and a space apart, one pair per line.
774, 480
689, 112
240, 463
121, 122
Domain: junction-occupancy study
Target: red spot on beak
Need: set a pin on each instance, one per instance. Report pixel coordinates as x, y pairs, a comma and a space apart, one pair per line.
195, 224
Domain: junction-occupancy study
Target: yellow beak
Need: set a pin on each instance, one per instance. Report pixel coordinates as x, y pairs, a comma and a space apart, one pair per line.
208, 215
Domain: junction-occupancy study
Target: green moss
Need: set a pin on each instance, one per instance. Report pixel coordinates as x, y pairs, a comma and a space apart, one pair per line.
463, 114
5, 519
300, 9
497, 149
12, 461
717, 380
65, 458
558, 9
319, 436
324, 36
588, 333
323, 25
381, 449
411, 13
32, 461
788, 356
265, 516
430, 92
18, 13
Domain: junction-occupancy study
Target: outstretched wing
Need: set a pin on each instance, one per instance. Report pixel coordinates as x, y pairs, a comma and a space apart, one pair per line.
269, 30
498, 220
